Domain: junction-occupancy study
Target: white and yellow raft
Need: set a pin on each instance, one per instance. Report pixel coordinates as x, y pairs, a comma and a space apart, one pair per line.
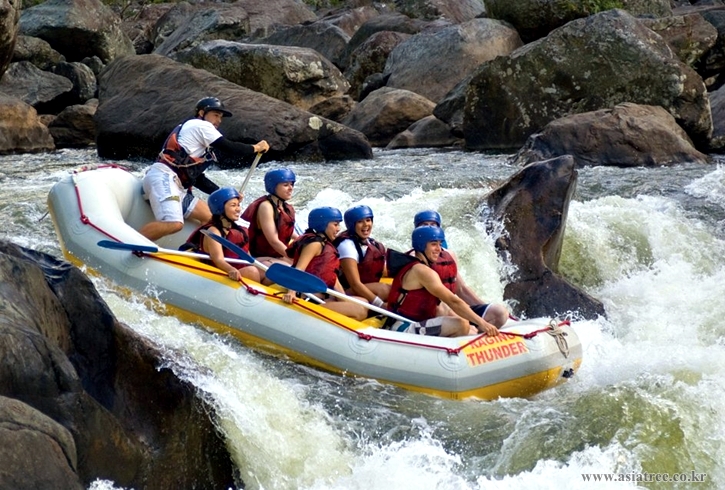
107, 204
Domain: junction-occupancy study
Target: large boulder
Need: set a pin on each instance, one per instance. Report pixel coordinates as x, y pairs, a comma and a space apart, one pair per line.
531, 208
350, 19
9, 17
36, 51
325, 38
589, 64
386, 112
712, 64
133, 121
534, 19
267, 15
717, 102
46, 92
369, 58
20, 128
299, 76
456, 11
77, 29
690, 35
120, 416
394, 22
431, 64
37, 452
628, 135
219, 21
74, 126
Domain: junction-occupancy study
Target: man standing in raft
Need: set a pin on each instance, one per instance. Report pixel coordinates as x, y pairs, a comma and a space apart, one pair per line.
417, 290
271, 220
187, 153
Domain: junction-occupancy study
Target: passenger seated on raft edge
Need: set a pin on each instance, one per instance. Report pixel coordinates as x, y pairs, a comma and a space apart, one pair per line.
225, 206
417, 290
362, 259
313, 252
271, 220
447, 268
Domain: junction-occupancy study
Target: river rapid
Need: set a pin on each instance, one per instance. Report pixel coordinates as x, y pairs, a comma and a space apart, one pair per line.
649, 243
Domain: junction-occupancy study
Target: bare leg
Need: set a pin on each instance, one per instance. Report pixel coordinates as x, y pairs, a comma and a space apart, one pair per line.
497, 315
201, 212
157, 229
454, 326
379, 289
347, 308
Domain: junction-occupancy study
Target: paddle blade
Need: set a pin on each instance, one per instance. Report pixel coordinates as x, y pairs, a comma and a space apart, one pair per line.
295, 279
231, 246
127, 246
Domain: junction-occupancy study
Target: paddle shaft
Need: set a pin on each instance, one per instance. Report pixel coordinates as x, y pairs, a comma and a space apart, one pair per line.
367, 305
297, 280
242, 253
249, 174
156, 250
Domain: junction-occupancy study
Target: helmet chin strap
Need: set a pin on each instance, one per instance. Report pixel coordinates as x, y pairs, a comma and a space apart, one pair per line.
226, 222
275, 195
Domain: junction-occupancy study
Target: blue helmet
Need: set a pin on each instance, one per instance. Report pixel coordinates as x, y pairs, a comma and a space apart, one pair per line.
219, 198
427, 215
320, 217
424, 234
277, 176
355, 214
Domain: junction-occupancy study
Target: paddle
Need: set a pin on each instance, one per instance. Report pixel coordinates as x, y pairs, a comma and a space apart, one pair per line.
302, 281
249, 174
155, 250
241, 253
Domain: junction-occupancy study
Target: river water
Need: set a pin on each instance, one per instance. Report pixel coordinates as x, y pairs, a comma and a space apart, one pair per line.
649, 243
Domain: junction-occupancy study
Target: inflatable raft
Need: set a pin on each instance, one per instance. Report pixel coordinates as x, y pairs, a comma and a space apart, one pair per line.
106, 205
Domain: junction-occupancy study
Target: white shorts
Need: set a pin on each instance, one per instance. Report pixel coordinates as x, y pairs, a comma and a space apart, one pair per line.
169, 201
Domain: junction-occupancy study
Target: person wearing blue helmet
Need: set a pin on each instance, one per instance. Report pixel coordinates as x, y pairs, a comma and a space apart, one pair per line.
186, 154
362, 259
271, 218
314, 252
417, 290
447, 268
225, 205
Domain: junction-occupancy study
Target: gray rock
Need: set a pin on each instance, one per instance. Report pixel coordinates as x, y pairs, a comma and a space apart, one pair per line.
77, 29
298, 76
628, 135
20, 128
589, 64
133, 121
532, 208
432, 63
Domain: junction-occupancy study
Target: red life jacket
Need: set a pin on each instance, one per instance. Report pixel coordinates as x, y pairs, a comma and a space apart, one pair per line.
237, 235
326, 266
418, 304
370, 267
447, 269
284, 221
186, 167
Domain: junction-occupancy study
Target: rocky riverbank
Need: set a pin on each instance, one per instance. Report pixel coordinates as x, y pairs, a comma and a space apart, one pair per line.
327, 83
